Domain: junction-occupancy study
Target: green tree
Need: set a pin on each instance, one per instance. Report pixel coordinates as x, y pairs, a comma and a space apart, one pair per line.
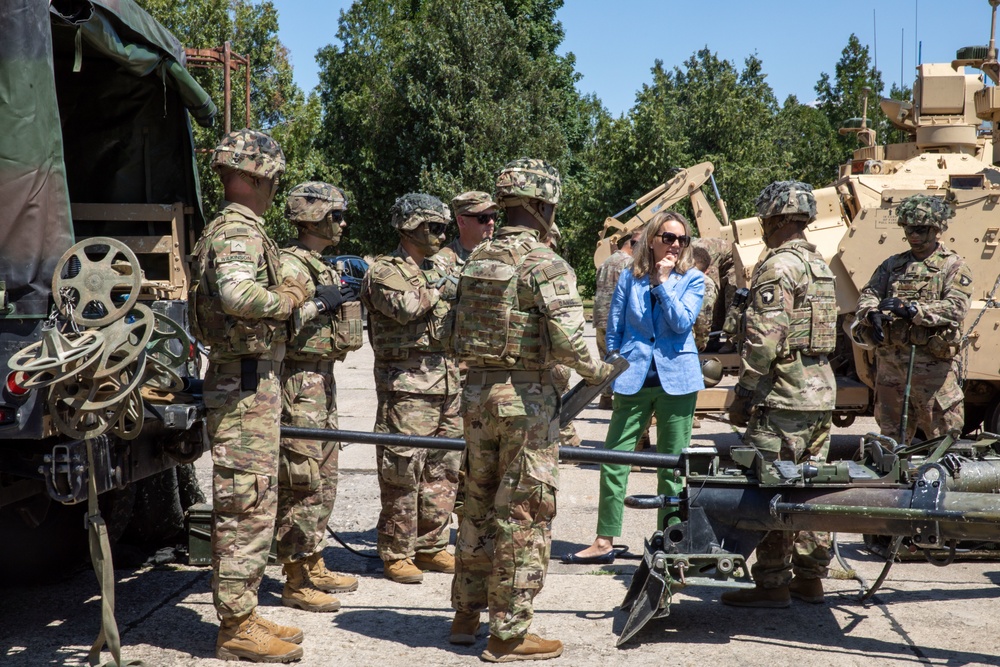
809, 146
277, 105
841, 97
437, 95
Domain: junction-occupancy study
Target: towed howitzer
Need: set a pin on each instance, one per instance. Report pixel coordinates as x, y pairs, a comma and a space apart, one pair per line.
930, 503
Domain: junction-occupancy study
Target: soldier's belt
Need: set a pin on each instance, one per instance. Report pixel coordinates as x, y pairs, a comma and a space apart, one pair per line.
236, 367
480, 377
323, 366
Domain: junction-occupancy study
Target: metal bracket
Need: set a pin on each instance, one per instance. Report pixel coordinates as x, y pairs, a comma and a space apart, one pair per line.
65, 470
928, 490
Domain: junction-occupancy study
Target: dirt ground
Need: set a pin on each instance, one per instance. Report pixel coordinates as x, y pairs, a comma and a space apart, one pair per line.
923, 614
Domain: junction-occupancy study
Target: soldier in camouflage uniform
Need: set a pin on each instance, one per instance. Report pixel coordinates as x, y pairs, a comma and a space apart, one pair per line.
409, 299
607, 278
518, 315
919, 298
324, 330
476, 216
722, 273
561, 373
239, 309
703, 325
787, 381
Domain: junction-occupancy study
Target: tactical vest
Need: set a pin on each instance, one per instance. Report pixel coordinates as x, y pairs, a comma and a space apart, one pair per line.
210, 324
329, 336
490, 327
393, 341
924, 284
813, 326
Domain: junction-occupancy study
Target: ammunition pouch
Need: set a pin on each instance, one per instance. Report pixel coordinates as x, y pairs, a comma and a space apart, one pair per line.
944, 343
297, 471
348, 328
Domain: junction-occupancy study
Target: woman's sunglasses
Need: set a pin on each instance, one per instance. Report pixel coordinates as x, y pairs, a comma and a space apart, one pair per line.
669, 238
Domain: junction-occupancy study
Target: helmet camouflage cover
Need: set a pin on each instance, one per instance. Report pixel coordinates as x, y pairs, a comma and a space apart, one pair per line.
414, 208
310, 202
251, 152
793, 199
925, 210
529, 179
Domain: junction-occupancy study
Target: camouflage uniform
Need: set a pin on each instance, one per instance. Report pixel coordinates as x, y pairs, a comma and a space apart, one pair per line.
520, 299
308, 472
720, 280
784, 363
417, 383
240, 310
939, 289
607, 277
703, 326
561, 374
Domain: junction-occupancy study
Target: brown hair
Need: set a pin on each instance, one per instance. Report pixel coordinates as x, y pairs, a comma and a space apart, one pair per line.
642, 255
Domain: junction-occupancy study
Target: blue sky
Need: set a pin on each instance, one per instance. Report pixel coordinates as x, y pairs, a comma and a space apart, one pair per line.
616, 42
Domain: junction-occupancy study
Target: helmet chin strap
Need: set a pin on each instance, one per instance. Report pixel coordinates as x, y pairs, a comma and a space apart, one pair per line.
529, 206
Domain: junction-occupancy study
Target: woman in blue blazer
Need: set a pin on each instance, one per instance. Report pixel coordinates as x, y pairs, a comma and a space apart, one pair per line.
653, 310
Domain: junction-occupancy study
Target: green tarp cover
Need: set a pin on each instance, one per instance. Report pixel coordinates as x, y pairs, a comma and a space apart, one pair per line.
93, 106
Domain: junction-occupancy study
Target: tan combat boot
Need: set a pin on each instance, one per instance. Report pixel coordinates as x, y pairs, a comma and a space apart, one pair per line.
807, 590
299, 592
767, 598
464, 628
243, 638
605, 403
528, 647
324, 579
286, 633
439, 561
403, 571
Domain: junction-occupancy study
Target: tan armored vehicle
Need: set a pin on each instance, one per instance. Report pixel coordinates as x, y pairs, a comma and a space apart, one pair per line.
947, 154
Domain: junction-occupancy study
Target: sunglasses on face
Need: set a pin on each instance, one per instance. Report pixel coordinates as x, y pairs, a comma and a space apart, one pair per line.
437, 228
669, 238
921, 230
337, 216
484, 218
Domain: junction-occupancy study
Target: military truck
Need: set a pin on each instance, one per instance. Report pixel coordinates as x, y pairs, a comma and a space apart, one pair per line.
101, 203
947, 153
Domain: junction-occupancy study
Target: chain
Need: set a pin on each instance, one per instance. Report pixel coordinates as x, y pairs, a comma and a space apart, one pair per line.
70, 306
963, 342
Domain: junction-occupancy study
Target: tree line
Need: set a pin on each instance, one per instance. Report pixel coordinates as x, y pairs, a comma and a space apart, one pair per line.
436, 95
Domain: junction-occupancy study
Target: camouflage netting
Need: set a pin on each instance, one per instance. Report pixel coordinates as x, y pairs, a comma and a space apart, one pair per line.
529, 179
414, 208
251, 152
793, 199
310, 202
926, 210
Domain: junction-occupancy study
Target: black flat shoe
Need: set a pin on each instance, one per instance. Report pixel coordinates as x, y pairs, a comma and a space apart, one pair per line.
603, 559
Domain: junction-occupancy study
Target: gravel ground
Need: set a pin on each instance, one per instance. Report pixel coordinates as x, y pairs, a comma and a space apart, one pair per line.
923, 614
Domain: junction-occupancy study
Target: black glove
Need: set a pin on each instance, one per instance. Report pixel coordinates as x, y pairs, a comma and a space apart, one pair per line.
876, 318
329, 297
896, 306
739, 409
348, 292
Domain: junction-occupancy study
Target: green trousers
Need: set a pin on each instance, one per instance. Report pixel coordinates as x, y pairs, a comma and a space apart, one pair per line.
629, 416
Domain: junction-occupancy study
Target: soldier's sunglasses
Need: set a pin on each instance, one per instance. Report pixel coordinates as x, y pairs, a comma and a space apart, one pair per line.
338, 216
921, 230
437, 228
669, 238
484, 218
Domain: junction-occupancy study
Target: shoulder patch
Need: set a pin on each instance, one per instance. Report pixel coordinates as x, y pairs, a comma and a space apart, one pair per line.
965, 280
237, 231
554, 271
387, 276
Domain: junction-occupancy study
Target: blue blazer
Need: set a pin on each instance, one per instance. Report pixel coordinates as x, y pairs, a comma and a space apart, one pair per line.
668, 340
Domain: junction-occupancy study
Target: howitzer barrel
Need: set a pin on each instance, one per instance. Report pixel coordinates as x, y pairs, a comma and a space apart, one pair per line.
582, 454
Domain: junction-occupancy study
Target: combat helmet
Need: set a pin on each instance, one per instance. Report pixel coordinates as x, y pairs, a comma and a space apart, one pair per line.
308, 205
525, 178
925, 210
711, 371
414, 208
251, 152
793, 200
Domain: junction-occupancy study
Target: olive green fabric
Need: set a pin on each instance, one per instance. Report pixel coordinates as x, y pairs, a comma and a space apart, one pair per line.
115, 133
